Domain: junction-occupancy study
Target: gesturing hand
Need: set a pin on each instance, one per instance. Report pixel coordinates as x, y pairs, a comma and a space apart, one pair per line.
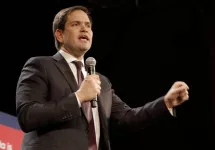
177, 94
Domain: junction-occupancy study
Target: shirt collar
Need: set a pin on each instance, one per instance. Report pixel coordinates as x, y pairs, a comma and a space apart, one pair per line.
68, 57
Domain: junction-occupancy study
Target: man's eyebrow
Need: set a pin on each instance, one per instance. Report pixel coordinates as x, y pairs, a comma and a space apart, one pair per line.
88, 22
75, 21
80, 21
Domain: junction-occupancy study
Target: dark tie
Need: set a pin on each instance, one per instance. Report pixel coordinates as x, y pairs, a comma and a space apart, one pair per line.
87, 109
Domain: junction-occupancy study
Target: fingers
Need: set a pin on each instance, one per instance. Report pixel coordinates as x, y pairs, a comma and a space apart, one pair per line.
95, 81
178, 90
183, 93
98, 87
93, 77
185, 97
179, 84
182, 96
177, 94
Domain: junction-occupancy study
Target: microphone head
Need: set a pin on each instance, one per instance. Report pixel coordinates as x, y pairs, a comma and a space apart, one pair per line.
90, 61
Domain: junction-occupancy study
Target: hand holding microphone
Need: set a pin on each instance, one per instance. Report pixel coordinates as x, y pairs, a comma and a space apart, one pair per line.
90, 87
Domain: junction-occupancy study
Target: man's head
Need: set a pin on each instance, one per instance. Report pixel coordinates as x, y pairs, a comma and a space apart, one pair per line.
72, 29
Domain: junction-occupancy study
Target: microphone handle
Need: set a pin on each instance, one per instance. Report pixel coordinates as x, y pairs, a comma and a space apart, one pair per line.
91, 70
94, 102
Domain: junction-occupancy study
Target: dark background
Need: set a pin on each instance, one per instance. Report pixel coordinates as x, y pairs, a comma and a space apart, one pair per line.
143, 47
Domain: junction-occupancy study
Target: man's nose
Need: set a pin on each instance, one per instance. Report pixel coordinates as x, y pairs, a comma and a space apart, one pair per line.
83, 28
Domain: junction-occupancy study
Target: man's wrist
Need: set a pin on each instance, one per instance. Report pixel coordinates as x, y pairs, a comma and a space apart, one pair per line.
166, 101
79, 96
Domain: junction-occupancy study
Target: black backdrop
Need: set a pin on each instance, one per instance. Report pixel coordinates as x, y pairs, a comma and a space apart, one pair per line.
142, 49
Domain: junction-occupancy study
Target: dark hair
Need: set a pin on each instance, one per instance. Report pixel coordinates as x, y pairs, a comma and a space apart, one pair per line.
61, 18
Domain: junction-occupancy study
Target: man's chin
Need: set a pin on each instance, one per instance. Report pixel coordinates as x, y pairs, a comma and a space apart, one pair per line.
84, 49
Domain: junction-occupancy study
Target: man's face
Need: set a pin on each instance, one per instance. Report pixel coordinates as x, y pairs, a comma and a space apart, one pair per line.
77, 35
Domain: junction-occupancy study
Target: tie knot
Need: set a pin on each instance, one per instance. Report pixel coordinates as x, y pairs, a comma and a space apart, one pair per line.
78, 64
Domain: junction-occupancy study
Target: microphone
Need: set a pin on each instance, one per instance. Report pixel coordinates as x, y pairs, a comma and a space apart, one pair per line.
90, 64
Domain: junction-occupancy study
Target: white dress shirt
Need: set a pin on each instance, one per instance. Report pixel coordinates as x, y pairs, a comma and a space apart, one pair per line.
69, 59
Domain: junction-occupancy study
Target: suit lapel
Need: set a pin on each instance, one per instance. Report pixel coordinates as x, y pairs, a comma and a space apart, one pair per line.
64, 68
66, 71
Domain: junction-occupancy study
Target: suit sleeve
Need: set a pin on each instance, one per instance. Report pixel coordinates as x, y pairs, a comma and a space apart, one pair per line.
140, 117
34, 111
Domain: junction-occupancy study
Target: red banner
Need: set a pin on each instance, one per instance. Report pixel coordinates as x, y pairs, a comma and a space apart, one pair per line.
10, 138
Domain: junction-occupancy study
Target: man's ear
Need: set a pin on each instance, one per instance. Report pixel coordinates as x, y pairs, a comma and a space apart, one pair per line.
59, 35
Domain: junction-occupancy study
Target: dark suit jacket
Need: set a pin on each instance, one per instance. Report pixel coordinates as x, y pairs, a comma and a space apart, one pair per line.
48, 112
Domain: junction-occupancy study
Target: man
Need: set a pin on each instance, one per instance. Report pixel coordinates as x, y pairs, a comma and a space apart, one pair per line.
51, 96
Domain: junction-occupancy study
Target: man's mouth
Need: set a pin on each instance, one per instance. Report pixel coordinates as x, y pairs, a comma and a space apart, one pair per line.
84, 38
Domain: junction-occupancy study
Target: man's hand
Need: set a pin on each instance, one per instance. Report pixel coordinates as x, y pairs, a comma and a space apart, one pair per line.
89, 88
177, 94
